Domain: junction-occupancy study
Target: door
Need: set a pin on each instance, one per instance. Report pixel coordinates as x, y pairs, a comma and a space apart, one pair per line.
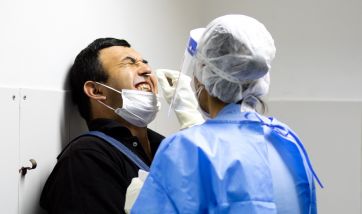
9, 150
43, 133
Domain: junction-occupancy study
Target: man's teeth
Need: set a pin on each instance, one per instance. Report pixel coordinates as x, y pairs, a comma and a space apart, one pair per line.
144, 87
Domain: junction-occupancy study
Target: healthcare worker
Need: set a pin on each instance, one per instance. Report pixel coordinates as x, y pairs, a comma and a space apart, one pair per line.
237, 161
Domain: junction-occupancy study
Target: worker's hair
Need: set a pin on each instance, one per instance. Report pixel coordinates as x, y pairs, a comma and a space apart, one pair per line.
88, 67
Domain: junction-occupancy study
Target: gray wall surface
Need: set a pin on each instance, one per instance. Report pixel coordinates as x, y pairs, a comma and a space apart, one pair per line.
315, 78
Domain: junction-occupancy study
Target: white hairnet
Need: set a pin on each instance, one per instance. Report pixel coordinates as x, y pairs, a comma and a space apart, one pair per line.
233, 58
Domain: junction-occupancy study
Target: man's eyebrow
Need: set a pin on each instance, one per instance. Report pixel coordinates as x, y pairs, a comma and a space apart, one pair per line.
134, 60
129, 58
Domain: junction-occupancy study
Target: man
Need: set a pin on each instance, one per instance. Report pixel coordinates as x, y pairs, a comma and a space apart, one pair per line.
115, 91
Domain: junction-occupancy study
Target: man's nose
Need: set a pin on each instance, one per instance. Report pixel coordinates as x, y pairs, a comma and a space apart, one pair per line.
145, 70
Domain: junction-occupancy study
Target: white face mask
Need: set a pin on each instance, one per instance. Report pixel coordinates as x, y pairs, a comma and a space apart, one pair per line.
139, 107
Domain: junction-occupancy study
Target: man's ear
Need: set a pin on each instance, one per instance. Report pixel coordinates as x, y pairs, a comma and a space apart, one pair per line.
93, 91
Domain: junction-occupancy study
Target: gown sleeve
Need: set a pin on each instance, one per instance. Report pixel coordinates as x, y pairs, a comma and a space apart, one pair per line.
172, 185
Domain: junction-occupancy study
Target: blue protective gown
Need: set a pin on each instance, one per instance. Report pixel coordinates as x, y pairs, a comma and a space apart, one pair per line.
224, 166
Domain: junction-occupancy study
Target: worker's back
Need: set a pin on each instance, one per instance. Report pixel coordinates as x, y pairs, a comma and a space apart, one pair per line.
228, 165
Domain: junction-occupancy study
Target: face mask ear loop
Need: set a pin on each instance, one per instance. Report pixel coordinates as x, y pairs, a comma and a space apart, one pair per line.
198, 91
115, 110
109, 87
106, 105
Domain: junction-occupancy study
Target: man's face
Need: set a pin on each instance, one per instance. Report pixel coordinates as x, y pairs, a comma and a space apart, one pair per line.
126, 69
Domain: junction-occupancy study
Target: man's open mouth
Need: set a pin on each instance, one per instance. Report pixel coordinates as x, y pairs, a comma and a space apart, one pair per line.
143, 86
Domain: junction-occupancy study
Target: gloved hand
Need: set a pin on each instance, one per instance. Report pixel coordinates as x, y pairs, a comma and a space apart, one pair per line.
185, 104
134, 189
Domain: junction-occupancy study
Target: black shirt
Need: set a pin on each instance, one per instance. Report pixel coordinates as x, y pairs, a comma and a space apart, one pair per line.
92, 176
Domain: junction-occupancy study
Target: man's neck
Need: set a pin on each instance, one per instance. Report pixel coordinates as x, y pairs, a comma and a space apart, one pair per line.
141, 134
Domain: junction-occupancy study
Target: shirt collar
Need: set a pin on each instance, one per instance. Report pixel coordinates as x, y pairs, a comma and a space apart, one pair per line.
123, 134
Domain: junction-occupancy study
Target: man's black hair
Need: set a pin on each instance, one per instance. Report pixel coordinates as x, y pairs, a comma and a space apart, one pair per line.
87, 67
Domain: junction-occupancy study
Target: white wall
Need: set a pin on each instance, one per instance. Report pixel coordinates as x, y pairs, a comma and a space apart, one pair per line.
332, 134
318, 56
40, 39
318, 45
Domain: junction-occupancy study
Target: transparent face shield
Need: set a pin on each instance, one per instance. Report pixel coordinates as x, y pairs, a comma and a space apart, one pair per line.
190, 52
